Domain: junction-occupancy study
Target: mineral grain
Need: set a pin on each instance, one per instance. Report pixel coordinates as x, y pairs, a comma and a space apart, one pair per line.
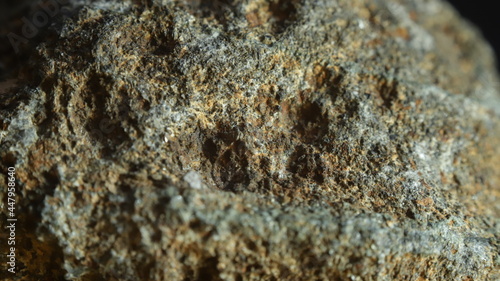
255, 140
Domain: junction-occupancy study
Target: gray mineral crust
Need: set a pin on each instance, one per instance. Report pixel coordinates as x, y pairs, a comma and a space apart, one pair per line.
253, 140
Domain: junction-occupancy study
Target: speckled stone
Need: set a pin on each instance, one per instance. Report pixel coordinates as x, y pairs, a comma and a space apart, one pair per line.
257, 140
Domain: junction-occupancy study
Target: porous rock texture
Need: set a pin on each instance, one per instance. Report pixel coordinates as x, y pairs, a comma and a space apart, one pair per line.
257, 140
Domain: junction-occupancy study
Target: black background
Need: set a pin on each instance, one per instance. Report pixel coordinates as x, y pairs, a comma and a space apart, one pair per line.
485, 15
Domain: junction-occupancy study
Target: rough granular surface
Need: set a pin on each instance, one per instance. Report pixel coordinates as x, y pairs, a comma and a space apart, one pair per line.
256, 140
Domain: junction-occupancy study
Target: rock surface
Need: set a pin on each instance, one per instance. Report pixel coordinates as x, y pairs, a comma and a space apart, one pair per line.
256, 140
